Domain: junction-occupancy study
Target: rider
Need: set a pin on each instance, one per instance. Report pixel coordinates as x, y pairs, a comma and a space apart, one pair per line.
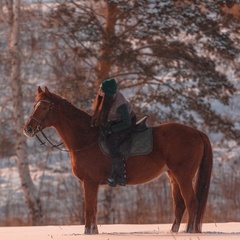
115, 117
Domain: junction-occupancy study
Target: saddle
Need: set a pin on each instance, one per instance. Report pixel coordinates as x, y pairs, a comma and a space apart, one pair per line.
138, 142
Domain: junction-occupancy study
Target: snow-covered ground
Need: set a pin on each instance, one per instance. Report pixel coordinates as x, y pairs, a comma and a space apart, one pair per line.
213, 231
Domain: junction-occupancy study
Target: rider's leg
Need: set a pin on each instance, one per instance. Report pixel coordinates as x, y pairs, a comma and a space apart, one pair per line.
118, 175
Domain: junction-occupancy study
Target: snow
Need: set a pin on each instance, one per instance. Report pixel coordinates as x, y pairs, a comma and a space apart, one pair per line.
211, 231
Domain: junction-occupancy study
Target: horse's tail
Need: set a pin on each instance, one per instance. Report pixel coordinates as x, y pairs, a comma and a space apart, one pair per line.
203, 181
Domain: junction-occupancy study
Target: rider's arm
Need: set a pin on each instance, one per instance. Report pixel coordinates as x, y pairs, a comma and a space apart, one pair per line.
125, 119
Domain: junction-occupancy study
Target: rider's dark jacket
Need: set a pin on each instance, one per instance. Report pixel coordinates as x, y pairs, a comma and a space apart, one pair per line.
121, 113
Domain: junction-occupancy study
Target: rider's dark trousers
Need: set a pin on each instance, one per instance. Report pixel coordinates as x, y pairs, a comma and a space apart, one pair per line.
116, 138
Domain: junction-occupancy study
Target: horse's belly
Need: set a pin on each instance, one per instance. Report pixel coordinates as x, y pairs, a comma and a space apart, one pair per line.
147, 174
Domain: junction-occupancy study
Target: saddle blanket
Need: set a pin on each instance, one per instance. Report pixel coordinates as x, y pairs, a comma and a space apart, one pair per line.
141, 144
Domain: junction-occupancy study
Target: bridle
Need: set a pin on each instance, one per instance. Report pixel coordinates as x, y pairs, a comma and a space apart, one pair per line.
40, 122
39, 128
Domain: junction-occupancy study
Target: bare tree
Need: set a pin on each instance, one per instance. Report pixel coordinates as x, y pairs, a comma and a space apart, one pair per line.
30, 192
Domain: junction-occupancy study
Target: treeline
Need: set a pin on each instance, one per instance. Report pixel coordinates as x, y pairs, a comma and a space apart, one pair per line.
176, 60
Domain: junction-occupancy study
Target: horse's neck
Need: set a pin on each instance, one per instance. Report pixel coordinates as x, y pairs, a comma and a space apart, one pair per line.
76, 132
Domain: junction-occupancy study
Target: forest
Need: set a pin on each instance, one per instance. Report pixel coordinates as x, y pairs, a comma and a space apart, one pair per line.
175, 60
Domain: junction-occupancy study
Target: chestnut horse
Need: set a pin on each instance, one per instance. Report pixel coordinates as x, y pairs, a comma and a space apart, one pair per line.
181, 151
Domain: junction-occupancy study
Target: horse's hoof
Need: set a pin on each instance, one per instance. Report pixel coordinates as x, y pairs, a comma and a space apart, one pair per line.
91, 231
175, 229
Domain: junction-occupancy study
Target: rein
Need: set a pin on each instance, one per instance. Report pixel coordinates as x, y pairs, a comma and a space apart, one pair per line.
57, 145
52, 145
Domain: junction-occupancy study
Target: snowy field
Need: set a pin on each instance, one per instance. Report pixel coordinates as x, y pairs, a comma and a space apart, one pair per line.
213, 231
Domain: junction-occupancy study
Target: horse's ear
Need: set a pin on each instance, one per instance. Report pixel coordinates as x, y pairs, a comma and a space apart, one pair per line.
39, 89
46, 90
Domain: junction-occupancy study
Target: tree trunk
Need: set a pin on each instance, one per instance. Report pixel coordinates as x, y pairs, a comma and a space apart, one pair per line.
104, 68
28, 187
109, 38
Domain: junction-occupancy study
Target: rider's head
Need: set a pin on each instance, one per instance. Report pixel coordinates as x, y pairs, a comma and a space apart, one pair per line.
109, 87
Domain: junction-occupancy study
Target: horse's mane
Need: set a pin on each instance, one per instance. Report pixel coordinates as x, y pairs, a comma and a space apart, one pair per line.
73, 110
67, 107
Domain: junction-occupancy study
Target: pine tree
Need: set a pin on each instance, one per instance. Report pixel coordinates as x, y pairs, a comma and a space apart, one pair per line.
173, 54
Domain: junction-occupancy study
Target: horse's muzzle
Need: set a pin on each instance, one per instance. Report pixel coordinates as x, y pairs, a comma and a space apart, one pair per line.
29, 131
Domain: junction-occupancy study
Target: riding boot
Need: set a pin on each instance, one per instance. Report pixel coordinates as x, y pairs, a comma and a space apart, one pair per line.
121, 172
118, 176
111, 181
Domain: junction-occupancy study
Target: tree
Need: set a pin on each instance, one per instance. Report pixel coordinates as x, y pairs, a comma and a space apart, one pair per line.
173, 54
29, 189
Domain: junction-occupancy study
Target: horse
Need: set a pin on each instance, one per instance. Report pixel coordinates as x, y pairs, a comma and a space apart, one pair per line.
183, 152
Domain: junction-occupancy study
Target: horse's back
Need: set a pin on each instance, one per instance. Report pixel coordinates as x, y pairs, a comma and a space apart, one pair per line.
177, 132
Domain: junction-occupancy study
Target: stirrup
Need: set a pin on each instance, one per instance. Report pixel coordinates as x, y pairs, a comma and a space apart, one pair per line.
111, 182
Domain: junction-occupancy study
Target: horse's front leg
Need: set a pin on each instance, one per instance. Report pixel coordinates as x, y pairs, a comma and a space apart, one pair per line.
91, 195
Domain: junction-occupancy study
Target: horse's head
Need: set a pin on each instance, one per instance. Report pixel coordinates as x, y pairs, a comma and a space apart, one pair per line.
41, 116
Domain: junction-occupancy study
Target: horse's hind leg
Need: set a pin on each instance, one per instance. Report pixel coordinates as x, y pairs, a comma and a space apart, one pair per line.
191, 203
178, 203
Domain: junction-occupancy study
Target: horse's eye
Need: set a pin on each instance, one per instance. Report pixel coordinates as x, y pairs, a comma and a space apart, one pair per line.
44, 108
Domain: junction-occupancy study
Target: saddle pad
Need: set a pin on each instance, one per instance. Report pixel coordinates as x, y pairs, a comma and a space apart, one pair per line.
142, 144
